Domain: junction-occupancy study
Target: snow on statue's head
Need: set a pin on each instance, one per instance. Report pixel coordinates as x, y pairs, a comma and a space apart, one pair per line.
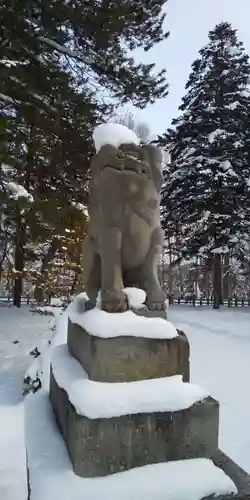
115, 135
119, 148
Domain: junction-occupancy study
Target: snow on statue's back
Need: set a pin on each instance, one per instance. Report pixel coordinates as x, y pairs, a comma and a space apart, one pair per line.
114, 134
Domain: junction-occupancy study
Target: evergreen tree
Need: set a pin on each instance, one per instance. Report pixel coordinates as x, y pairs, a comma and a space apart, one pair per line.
205, 192
62, 65
47, 145
4, 226
59, 271
91, 39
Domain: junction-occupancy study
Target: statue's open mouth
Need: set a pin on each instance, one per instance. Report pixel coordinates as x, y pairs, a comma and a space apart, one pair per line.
138, 168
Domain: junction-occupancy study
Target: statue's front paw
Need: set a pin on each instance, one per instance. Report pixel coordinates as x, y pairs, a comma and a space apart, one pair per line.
115, 301
156, 300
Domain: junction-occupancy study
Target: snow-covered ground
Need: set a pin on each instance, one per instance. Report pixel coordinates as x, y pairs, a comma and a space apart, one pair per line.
220, 362
220, 353
19, 333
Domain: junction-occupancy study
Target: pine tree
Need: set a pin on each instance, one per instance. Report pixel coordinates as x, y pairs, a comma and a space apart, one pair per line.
205, 193
47, 150
93, 41
60, 267
4, 226
15, 203
64, 66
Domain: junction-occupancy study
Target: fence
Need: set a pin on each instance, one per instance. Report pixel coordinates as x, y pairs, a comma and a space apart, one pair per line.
190, 301
230, 302
7, 300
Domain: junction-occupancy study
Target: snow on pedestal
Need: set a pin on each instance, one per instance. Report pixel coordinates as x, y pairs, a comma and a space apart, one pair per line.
107, 325
111, 427
124, 347
52, 478
101, 324
136, 298
114, 134
105, 400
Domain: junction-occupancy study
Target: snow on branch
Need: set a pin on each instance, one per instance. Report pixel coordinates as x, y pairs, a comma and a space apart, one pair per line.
7, 99
17, 191
81, 207
64, 50
42, 98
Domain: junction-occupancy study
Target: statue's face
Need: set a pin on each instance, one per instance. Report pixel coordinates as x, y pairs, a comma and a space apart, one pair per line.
135, 159
130, 159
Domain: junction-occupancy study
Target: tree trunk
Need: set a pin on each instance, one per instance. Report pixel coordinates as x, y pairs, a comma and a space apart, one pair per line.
217, 296
170, 271
20, 228
226, 277
19, 261
4, 243
39, 288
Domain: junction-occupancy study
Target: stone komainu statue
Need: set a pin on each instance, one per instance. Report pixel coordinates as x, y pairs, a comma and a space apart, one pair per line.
124, 241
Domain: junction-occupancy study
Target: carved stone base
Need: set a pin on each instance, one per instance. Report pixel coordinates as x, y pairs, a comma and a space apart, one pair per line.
50, 454
99, 447
127, 359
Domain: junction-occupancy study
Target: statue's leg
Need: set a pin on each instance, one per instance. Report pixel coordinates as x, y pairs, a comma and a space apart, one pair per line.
147, 276
113, 297
91, 273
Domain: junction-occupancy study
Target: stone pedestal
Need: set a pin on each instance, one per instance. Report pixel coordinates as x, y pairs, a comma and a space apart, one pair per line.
126, 359
102, 446
49, 453
99, 447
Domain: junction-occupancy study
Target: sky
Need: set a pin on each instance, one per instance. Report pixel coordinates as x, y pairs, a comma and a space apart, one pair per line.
189, 22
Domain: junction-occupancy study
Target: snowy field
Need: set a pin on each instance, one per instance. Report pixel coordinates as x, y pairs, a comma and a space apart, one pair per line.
220, 362
19, 333
220, 354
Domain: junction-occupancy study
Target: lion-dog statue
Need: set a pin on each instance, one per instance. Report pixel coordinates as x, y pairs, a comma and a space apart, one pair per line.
125, 238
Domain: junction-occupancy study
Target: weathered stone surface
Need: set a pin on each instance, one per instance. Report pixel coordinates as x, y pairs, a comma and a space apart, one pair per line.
104, 446
151, 314
125, 238
126, 359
